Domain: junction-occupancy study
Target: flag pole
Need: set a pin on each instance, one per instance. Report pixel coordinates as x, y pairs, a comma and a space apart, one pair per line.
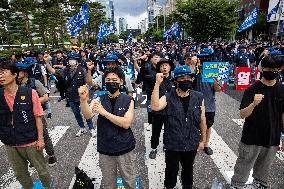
280, 12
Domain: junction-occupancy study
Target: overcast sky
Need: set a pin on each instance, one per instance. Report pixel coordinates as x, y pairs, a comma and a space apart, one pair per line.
133, 10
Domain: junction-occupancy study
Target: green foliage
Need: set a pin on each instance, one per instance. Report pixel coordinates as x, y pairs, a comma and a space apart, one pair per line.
124, 35
261, 24
207, 19
44, 21
113, 38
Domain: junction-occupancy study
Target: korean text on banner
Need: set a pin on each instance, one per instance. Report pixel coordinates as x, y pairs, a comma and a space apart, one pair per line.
215, 70
243, 78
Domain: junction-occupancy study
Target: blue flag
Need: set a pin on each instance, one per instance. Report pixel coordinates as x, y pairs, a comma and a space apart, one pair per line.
85, 13
129, 38
249, 21
273, 11
78, 20
74, 24
111, 29
174, 30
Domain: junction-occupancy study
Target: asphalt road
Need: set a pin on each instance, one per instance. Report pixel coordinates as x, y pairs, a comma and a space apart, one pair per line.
72, 151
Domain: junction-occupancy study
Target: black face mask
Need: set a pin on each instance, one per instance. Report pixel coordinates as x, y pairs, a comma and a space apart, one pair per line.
270, 75
184, 85
112, 87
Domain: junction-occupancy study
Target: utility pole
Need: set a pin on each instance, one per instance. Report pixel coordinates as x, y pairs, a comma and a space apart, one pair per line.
164, 10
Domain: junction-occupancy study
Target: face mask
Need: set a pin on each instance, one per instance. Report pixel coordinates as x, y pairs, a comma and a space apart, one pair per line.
184, 85
270, 75
112, 87
72, 62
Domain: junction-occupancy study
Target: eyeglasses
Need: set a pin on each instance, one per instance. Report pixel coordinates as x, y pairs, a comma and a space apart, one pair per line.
4, 71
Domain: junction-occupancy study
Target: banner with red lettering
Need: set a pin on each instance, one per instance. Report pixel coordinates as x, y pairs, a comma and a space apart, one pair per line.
243, 76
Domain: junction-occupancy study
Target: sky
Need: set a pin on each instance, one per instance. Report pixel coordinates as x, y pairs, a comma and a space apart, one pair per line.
133, 10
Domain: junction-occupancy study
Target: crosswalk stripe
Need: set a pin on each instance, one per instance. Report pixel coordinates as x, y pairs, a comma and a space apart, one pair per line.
223, 157
156, 167
90, 164
8, 180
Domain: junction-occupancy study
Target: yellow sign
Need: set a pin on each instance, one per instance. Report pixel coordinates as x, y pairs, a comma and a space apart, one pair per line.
23, 98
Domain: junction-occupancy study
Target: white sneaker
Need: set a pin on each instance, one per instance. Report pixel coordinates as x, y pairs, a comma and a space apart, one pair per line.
93, 133
149, 126
81, 132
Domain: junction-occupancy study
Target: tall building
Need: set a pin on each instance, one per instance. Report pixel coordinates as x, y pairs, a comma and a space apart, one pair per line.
170, 6
109, 8
143, 25
153, 10
120, 25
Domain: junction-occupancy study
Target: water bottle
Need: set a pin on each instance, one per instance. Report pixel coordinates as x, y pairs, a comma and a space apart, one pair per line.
215, 183
220, 185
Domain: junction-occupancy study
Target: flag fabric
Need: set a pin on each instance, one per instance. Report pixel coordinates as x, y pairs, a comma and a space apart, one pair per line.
76, 22
249, 21
273, 11
111, 29
85, 13
105, 31
174, 30
129, 38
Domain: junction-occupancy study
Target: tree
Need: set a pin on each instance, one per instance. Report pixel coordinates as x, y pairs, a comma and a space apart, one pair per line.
207, 19
123, 35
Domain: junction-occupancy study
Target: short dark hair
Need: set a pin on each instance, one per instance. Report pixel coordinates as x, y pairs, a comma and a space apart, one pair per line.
272, 62
8, 65
117, 70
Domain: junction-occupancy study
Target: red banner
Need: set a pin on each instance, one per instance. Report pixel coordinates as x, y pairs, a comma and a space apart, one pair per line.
257, 74
243, 78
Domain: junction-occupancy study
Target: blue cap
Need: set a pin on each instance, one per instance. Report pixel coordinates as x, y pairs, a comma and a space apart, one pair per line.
111, 58
72, 55
206, 52
242, 47
30, 60
24, 65
181, 71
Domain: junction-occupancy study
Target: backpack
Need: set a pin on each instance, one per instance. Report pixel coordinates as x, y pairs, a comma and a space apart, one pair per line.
82, 180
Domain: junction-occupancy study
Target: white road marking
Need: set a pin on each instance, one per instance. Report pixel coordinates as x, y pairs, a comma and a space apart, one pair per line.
9, 181
1, 144
90, 164
54, 96
239, 122
223, 156
156, 167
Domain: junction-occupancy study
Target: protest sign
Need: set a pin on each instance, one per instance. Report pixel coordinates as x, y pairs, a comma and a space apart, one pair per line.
243, 78
215, 70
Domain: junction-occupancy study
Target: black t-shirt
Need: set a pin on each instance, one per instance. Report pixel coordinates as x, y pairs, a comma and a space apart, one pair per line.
263, 127
185, 102
112, 101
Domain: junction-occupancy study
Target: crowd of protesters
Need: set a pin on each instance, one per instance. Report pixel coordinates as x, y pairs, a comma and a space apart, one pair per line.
102, 81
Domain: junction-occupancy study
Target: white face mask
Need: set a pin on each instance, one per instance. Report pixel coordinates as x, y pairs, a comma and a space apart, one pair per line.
72, 62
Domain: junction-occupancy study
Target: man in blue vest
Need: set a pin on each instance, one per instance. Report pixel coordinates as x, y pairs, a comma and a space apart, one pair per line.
110, 61
21, 128
164, 66
74, 76
25, 81
185, 127
242, 57
116, 141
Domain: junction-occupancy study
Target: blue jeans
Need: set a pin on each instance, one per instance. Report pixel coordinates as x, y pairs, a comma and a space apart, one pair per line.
75, 106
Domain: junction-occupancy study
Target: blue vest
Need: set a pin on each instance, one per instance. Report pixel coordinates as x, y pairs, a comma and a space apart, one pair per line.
23, 129
73, 83
182, 132
113, 139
